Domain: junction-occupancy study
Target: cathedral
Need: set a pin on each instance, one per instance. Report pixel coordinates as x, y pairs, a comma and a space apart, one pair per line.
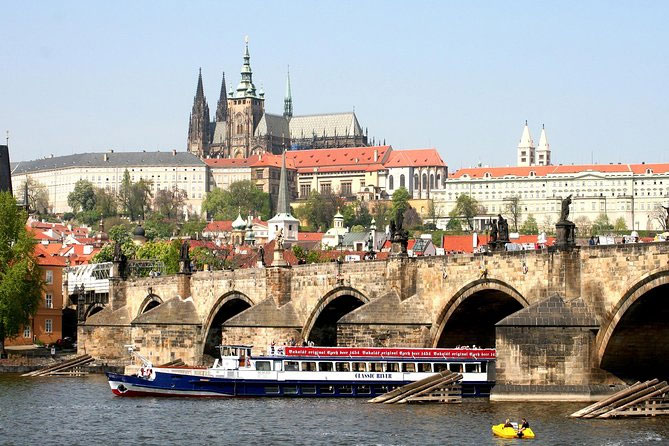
242, 128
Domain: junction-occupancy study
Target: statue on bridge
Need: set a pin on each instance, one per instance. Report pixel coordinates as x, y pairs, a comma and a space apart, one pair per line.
503, 227
493, 231
666, 218
398, 236
184, 260
564, 211
120, 261
279, 240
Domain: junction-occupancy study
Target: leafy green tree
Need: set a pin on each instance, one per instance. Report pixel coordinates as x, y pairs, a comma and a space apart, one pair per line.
381, 215
82, 197
166, 252
202, 256
192, 227
530, 226
348, 211
170, 203
411, 218
466, 207
601, 225
20, 276
454, 224
400, 202
140, 199
89, 217
242, 196
38, 196
124, 193
620, 224
106, 203
358, 228
157, 227
319, 210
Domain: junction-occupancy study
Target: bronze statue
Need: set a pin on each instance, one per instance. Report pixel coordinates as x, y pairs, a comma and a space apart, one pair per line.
185, 251
503, 226
666, 218
493, 230
279, 239
564, 212
261, 253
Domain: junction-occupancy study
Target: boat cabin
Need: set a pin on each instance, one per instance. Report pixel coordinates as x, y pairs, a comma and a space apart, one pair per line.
234, 356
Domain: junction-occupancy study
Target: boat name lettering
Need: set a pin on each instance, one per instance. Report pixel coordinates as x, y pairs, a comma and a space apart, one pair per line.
374, 375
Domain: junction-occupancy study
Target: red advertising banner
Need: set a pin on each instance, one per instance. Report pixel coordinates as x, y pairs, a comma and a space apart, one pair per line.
379, 352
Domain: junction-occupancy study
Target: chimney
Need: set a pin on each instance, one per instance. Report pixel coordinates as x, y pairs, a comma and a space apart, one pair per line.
88, 249
174, 152
105, 157
376, 155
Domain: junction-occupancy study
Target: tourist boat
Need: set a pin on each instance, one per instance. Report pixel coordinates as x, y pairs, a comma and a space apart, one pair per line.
310, 372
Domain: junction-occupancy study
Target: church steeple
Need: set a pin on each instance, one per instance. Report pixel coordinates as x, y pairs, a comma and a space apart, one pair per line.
246, 87
544, 149
288, 99
283, 200
198, 129
526, 148
222, 106
283, 221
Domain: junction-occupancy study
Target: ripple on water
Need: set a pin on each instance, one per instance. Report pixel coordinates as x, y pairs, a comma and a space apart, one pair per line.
84, 411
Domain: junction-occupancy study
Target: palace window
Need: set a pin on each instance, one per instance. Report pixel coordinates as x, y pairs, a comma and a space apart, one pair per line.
49, 277
402, 181
346, 189
326, 188
48, 300
391, 183
26, 332
48, 326
305, 190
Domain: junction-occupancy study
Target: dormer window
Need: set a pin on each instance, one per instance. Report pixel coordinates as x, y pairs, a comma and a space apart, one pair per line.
649, 171
533, 173
487, 175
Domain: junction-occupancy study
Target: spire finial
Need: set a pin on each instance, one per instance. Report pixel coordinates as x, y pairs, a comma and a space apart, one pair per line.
526, 122
288, 99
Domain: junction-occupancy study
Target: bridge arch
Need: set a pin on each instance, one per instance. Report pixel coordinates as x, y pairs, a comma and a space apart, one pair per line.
150, 302
321, 326
460, 320
624, 344
93, 309
228, 305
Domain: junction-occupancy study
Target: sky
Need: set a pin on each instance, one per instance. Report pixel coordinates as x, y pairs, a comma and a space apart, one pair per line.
461, 76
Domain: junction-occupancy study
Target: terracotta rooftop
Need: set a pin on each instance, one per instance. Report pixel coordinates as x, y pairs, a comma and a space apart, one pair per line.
414, 158
541, 171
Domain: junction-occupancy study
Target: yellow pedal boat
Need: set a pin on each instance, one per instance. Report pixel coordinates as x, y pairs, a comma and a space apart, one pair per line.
511, 432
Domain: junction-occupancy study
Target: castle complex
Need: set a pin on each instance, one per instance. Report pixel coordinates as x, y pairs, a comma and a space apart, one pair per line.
241, 127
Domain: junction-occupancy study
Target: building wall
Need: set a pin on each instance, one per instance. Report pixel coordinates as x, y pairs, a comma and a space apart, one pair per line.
633, 197
37, 329
223, 177
60, 182
387, 335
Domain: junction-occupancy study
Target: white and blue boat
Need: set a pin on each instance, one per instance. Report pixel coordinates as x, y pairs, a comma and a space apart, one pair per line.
310, 372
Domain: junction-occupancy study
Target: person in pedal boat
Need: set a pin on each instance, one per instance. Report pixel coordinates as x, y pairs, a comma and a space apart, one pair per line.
507, 423
522, 426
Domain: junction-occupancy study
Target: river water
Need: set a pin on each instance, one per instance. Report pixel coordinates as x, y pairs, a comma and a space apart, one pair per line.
83, 411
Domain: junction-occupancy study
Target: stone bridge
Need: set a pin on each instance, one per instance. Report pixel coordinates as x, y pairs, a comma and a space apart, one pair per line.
579, 318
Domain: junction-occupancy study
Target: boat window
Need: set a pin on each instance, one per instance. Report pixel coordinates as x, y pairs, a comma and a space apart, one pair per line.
393, 367
308, 366
408, 367
291, 366
471, 368
327, 390
380, 388
364, 389
277, 365
263, 366
440, 367
290, 390
359, 366
226, 351
376, 367
342, 366
455, 368
484, 367
345, 390
425, 367
325, 366
308, 390
272, 390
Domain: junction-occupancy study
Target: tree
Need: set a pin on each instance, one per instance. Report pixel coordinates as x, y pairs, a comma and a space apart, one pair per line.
157, 227
170, 202
659, 216
38, 196
20, 276
530, 226
319, 209
242, 196
140, 199
601, 225
514, 209
467, 208
166, 252
358, 228
82, 197
124, 193
454, 224
411, 218
620, 224
192, 227
381, 215
202, 256
400, 202
106, 203
432, 212
583, 225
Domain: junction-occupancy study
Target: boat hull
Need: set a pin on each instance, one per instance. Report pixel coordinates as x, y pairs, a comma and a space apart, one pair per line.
167, 384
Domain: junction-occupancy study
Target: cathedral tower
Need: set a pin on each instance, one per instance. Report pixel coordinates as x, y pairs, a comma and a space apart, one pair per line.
198, 129
288, 99
544, 149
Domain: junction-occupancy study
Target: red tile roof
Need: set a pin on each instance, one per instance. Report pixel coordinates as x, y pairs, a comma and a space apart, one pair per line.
309, 236
45, 258
264, 160
346, 158
414, 158
464, 243
218, 226
540, 171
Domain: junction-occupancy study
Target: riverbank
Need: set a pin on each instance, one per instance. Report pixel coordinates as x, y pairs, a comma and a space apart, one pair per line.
23, 360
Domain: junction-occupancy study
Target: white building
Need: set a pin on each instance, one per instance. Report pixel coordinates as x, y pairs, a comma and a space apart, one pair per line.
165, 170
631, 191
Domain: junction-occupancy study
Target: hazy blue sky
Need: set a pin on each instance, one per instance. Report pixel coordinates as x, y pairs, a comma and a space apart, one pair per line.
459, 76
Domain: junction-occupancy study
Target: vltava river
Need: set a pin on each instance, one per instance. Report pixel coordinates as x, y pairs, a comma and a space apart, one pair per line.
83, 411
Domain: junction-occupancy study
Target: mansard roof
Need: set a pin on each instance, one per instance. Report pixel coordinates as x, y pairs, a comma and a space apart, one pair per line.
275, 125
414, 158
330, 124
109, 159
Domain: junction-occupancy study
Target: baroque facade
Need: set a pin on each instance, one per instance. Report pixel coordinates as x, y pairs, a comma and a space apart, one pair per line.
241, 128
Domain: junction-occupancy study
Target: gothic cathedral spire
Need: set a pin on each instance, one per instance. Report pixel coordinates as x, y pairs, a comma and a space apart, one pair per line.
288, 99
198, 129
222, 106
